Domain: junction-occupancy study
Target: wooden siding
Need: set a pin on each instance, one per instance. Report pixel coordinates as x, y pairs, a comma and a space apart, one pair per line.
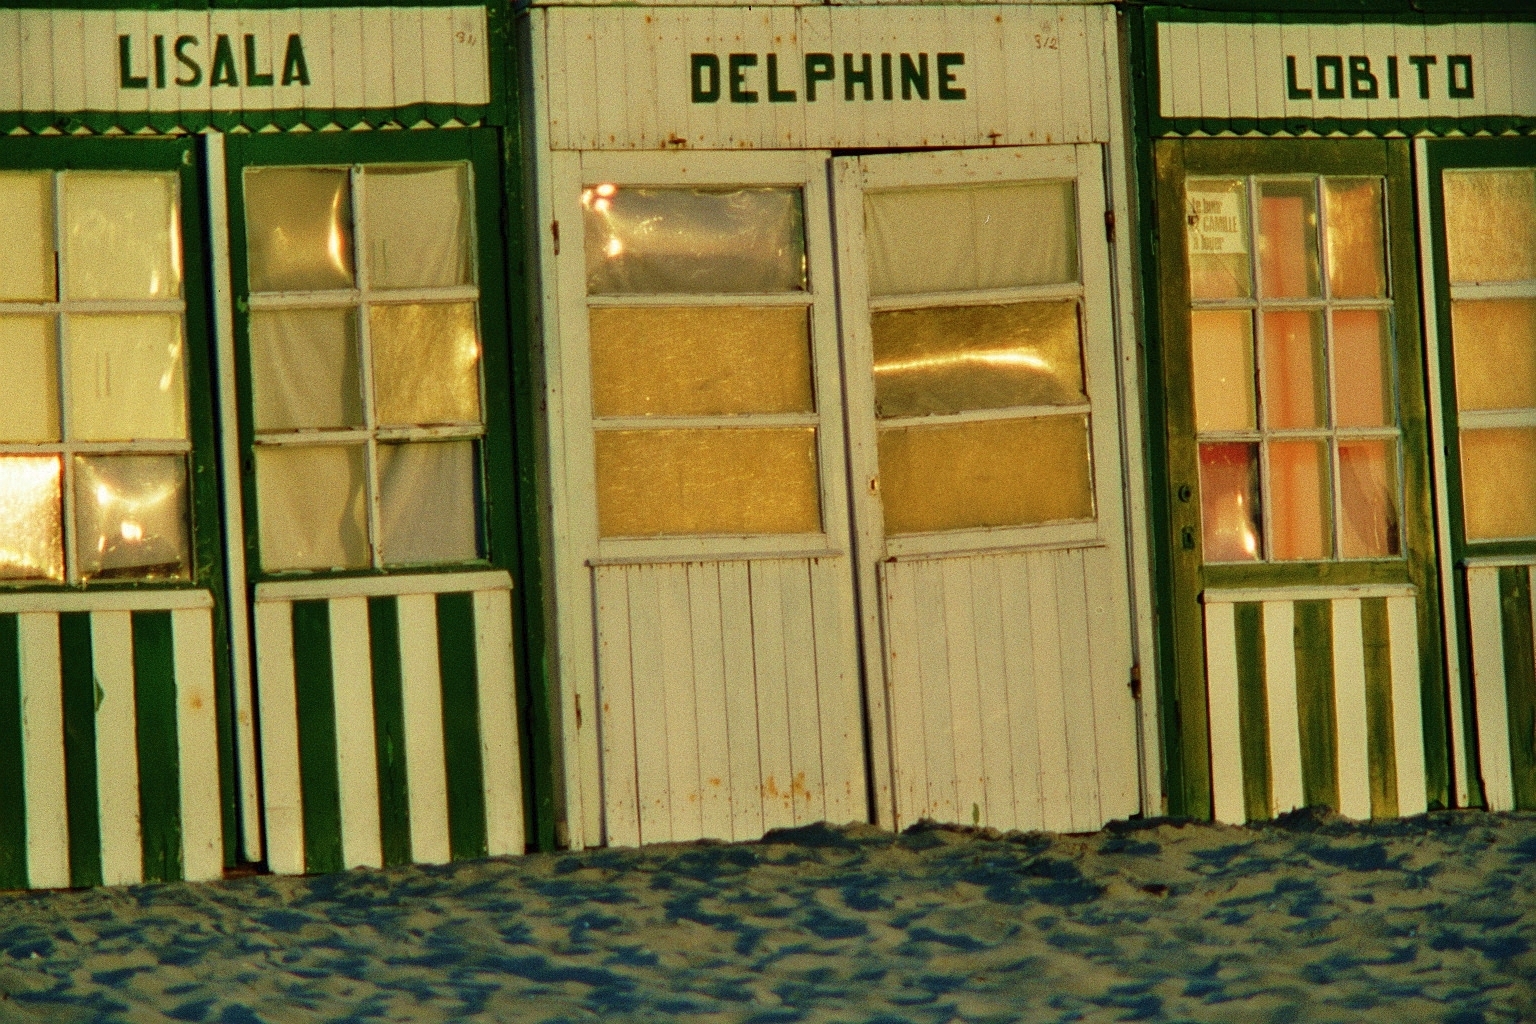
1314, 698
1504, 682
728, 698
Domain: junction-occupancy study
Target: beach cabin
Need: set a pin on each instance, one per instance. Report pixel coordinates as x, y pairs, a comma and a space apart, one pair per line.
1340, 294
260, 527
844, 429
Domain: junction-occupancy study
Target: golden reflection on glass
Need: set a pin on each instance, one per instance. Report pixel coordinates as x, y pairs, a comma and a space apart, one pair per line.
1288, 239
131, 517
700, 360
1295, 375
426, 363
31, 518
1216, 233
304, 369
310, 507
127, 377
1222, 352
991, 473
298, 228
1300, 501
1368, 491
27, 259
951, 359
30, 358
1231, 518
1490, 224
1498, 483
1357, 246
727, 480
122, 235
1495, 346
1362, 368
417, 221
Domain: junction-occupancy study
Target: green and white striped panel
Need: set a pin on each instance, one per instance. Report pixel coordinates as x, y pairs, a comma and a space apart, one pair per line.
1504, 683
1314, 701
109, 753
388, 721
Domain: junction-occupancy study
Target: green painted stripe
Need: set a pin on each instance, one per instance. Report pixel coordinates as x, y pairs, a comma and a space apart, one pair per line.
1253, 709
13, 780
1519, 681
1314, 697
1381, 741
319, 786
154, 694
79, 679
389, 729
461, 725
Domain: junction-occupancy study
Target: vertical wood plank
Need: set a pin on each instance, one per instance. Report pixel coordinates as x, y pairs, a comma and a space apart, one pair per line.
1077, 679
1377, 636
277, 702
965, 703
347, 59
471, 69
1018, 664
1354, 770
42, 724
997, 764
807, 782
13, 780
378, 32
746, 794
1253, 718
1050, 709
357, 767
1313, 640
651, 735
1488, 675
710, 724
501, 756
37, 61
1222, 698
933, 660
906, 692
197, 737
406, 35
772, 693
680, 709
1284, 725
421, 700
117, 748
10, 57
1107, 623
616, 709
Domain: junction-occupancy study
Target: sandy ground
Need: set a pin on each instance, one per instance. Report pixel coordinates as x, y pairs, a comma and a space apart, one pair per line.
1311, 919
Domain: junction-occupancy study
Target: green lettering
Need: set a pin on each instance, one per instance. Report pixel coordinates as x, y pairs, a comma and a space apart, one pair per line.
252, 76
775, 94
818, 68
945, 61
179, 50
738, 64
914, 77
706, 63
294, 67
864, 76
125, 76
223, 63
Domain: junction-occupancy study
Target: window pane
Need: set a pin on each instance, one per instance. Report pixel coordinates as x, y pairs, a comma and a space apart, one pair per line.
1222, 343
304, 369
1495, 345
953, 358
720, 481
29, 355
1230, 518
417, 227
126, 377
131, 517
26, 258
427, 502
700, 360
1490, 225
1357, 246
1498, 483
1368, 493
298, 226
426, 363
31, 518
1295, 376
1362, 368
310, 505
693, 240
1287, 239
1300, 521
961, 239
122, 236
1216, 231
989, 473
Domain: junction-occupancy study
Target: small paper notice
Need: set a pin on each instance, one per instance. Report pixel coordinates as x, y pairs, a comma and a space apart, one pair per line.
1215, 223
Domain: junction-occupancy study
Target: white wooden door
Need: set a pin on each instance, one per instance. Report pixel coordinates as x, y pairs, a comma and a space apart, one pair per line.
987, 486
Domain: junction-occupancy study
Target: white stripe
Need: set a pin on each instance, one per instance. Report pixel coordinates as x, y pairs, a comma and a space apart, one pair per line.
1222, 698
1285, 792
278, 706
357, 766
421, 700
1407, 709
122, 600
197, 736
117, 749
1353, 756
500, 763
1488, 681
42, 742
384, 586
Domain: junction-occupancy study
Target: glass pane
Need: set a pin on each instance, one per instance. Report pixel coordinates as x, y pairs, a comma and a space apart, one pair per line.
126, 377
1300, 520
1295, 376
304, 371
700, 360
991, 473
1498, 483
1368, 499
122, 236
417, 226
953, 358
1490, 224
1362, 368
298, 227
26, 258
30, 358
693, 240
1216, 231
310, 507
131, 517
722, 481
1222, 343
427, 502
1357, 247
1288, 239
1230, 518
31, 518
1495, 345
962, 239
426, 363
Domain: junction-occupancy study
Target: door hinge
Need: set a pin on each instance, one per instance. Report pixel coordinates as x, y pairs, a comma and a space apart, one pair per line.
1135, 682
1109, 225
554, 229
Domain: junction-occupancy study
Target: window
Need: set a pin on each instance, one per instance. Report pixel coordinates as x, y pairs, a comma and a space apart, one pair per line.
365, 357
94, 440
703, 401
1291, 330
